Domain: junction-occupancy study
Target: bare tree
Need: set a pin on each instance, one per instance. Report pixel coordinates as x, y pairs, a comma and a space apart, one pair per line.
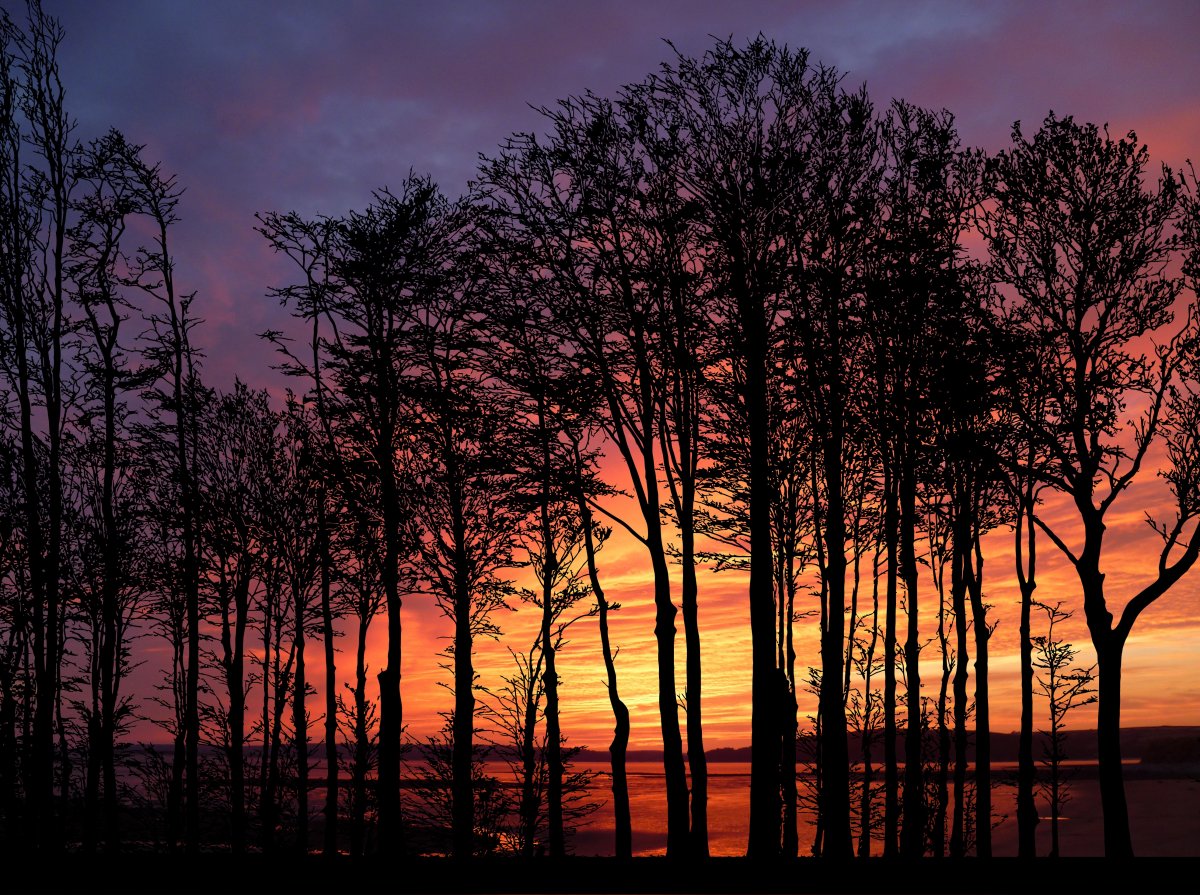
580, 199
109, 508
237, 464
358, 559
1065, 687
745, 117
364, 280
1085, 244
35, 205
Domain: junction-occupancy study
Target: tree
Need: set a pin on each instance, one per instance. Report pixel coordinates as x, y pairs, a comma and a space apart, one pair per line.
108, 507
1083, 244
237, 466
585, 487
1065, 687
365, 278
14, 610
358, 557
277, 661
35, 199
299, 543
745, 117
577, 205
1021, 463
829, 246
459, 465
536, 396
593, 538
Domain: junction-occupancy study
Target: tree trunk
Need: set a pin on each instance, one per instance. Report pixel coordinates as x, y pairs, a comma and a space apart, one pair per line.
233, 633
891, 772
1117, 840
913, 834
696, 759
265, 816
300, 719
958, 590
674, 772
91, 785
554, 764
983, 724
1027, 814
109, 647
237, 712
175, 792
944, 739
391, 708
1110, 648
362, 744
835, 755
791, 711
462, 788
529, 807
623, 828
331, 726
765, 727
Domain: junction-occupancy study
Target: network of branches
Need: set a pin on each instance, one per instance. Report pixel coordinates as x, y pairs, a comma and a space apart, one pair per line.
818, 345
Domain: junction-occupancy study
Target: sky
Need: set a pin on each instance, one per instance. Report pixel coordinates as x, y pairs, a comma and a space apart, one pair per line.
306, 106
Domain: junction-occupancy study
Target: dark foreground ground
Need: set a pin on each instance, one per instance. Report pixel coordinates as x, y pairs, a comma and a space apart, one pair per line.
260, 876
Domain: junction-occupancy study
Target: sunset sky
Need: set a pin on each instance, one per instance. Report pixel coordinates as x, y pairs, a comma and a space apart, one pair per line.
310, 106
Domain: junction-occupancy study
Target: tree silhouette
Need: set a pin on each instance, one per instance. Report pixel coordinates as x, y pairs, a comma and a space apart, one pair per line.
742, 113
581, 199
1065, 688
829, 244
108, 509
459, 465
1084, 244
357, 560
35, 208
364, 277
537, 398
176, 400
237, 467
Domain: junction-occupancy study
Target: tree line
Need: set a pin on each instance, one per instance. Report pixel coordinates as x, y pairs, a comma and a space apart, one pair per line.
825, 345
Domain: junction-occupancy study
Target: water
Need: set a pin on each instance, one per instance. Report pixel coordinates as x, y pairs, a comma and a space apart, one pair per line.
1164, 814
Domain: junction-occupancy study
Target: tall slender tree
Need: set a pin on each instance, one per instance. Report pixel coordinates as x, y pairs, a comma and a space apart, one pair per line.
579, 197
466, 535
109, 512
744, 117
236, 466
366, 276
38, 182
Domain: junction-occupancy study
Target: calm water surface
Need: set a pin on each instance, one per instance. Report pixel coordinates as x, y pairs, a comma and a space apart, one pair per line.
1164, 814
